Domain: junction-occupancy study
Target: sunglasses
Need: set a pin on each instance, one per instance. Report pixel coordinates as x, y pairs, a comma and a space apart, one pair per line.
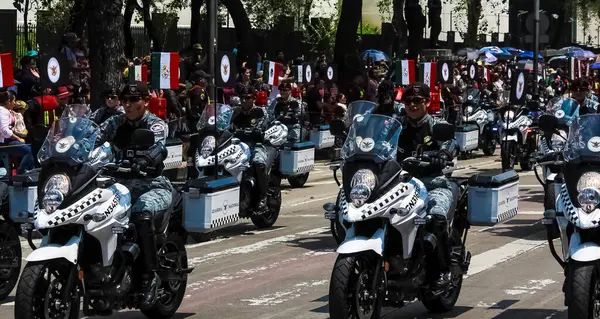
415, 100
112, 97
132, 99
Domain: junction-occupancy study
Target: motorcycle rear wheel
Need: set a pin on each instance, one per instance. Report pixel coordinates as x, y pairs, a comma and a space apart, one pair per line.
37, 296
298, 181
268, 219
508, 154
13, 251
584, 289
350, 281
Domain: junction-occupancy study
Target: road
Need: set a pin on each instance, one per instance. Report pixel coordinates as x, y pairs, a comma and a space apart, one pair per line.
284, 272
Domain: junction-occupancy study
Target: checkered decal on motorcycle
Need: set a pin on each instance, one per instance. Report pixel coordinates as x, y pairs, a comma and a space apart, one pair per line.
570, 210
224, 221
172, 165
90, 200
224, 154
343, 203
305, 169
373, 208
507, 215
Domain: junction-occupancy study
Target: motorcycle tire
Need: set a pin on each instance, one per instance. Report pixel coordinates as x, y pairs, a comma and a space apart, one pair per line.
550, 203
10, 276
490, 147
174, 245
582, 280
446, 301
33, 283
298, 181
344, 279
507, 153
268, 219
338, 231
525, 163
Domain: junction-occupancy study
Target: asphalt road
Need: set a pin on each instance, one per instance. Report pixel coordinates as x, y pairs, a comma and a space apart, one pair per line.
284, 272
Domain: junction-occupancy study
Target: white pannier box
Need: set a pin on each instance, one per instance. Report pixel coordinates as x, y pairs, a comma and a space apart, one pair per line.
22, 196
210, 204
175, 153
321, 137
493, 197
467, 137
297, 159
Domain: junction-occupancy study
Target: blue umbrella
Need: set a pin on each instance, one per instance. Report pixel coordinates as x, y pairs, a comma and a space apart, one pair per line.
528, 55
494, 51
376, 55
583, 54
595, 66
569, 51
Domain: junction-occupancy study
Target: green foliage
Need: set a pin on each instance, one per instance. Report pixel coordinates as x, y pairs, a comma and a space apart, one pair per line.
319, 34
263, 14
368, 29
57, 19
587, 10
386, 10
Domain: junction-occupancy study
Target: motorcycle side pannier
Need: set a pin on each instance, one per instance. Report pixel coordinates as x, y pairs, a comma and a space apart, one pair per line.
467, 137
321, 137
493, 197
210, 204
297, 159
175, 153
22, 196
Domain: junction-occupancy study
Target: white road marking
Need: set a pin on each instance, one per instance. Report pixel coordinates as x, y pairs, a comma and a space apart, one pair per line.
532, 212
280, 297
302, 216
262, 231
532, 287
321, 183
531, 186
12, 303
313, 200
263, 244
491, 258
214, 241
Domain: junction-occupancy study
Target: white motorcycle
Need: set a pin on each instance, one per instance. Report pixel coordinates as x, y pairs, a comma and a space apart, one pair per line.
234, 156
89, 247
389, 254
577, 215
518, 139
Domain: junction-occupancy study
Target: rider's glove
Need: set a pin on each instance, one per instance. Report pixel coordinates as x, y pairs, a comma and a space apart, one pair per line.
140, 164
439, 159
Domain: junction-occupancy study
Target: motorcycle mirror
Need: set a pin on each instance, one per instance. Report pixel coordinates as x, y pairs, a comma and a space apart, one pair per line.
443, 132
338, 128
142, 138
548, 123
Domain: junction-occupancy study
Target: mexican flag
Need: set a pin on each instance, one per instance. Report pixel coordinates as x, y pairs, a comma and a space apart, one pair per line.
165, 70
405, 72
138, 73
6, 70
271, 72
429, 73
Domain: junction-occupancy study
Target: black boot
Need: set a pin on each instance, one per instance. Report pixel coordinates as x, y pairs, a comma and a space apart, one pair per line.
442, 251
146, 239
261, 185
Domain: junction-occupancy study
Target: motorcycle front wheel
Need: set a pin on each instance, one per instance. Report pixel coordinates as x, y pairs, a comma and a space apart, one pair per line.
508, 153
490, 146
40, 290
11, 255
350, 294
584, 289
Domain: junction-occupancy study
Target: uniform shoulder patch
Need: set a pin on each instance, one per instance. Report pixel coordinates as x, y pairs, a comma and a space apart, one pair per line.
157, 127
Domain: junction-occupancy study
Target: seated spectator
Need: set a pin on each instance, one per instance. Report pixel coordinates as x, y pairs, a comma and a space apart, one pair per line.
18, 110
8, 136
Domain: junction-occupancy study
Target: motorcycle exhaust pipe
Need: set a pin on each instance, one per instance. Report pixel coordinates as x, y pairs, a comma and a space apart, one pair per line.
431, 241
131, 249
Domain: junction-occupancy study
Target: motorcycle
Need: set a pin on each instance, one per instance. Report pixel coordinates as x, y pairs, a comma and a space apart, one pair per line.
389, 253
477, 128
10, 245
518, 137
234, 156
552, 144
577, 215
89, 250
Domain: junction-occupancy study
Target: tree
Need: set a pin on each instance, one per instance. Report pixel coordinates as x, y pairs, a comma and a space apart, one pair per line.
243, 27
106, 45
346, 49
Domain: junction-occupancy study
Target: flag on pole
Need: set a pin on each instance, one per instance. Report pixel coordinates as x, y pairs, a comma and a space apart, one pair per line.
165, 70
297, 73
573, 71
6, 70
405, 75
487, 75
272, 70
428, 73
138, 73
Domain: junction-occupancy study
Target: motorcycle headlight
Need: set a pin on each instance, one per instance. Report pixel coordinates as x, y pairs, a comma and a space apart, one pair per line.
469, 110
55, 190
587, 187
558, 143
509, 114
208, 146
363, 183
491, 117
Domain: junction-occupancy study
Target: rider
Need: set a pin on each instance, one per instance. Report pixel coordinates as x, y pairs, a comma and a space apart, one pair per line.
150, 196
386, 102
111, 107
288, 111
417, 129
250, 116
580, 90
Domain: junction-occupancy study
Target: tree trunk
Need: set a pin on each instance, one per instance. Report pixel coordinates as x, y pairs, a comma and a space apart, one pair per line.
399, 28
156, 43
243, 28
26, 25
130, 7
195, 22
473, 16
346, 54
106, 45
306, 14
78, 18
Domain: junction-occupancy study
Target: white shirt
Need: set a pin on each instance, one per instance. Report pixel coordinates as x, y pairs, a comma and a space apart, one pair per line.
5, 124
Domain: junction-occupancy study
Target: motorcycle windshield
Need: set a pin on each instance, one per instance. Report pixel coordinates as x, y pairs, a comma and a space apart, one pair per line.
584, 138
77, 110
472, 96
358, 108
70, 139
224, 113
564, 109
375, 136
